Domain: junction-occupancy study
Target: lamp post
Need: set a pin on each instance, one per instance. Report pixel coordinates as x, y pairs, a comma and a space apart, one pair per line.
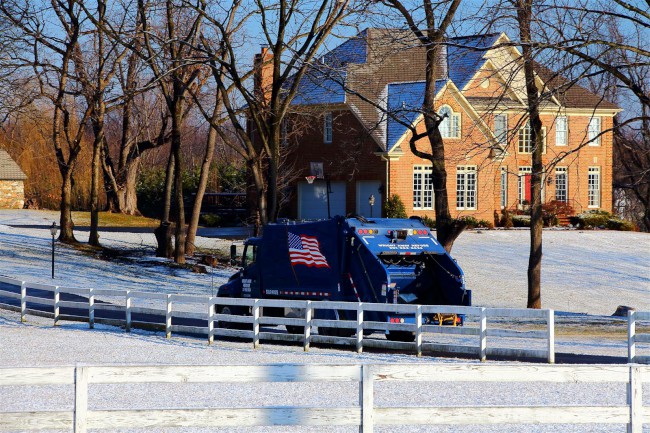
371, 202
53, 232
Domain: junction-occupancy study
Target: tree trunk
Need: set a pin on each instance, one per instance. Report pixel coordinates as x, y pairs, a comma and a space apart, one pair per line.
203, 182
98, 130
130, 192
447, 229
66, 224
169, 186
524, 16
179, 208
257, 172
93, 238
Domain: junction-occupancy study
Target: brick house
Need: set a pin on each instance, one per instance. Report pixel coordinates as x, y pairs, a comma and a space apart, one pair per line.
347, 140
12, 188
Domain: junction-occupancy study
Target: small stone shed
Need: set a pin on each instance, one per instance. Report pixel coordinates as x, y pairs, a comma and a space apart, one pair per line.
12, 178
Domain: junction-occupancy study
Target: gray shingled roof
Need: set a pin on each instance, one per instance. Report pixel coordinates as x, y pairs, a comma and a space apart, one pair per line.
9, 170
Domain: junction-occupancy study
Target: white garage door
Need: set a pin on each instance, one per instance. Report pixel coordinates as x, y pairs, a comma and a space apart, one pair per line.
312, 199
366, 188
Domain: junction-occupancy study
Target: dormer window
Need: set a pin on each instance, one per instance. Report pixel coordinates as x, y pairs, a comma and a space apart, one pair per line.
450, 124
327, 128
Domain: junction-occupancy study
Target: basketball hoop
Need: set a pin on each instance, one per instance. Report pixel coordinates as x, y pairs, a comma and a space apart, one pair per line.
310, 179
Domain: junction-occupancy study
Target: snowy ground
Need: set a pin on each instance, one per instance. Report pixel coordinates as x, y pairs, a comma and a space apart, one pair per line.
583, 272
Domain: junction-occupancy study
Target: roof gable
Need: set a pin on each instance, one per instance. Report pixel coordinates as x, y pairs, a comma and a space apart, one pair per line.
9, 170
404, 103
466, 56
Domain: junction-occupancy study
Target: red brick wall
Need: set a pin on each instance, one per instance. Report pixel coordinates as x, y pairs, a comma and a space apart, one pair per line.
474, 149
349, 158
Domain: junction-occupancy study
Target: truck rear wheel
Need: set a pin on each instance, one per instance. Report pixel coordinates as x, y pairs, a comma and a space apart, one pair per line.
338, 332
403, 336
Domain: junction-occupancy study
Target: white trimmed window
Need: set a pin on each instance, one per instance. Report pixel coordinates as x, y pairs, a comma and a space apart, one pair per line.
327, 128
422, 187
501, 128
504, 187
525, 143
450, 124
561, 184
561, 131
593, 131
593, 187
523, 184
466, 187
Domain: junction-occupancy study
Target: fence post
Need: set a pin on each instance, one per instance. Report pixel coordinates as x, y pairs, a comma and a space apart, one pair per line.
483, 335
360, 327
366, 399
23, 301
307, 334
91, 308
418, 330
550, 335
631, 335
80, 399
210, 320
168, 316
256, 323
635, 400
57, 300
128, 311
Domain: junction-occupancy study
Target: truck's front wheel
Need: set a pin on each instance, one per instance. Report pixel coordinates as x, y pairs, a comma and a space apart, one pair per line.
403, 336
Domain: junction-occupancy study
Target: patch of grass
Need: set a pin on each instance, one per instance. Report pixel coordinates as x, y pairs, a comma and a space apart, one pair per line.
108, 219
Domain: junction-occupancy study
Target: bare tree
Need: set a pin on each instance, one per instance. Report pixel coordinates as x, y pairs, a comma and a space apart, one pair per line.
294, 31
170, 55
53, 49
430, 34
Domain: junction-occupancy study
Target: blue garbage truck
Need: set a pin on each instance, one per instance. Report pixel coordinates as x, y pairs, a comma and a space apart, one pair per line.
374, 260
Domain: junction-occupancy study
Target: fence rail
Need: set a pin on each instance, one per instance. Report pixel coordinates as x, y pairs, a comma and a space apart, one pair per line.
365, 414
488, 332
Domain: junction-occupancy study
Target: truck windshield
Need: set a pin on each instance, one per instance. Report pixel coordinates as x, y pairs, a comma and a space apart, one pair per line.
250, 254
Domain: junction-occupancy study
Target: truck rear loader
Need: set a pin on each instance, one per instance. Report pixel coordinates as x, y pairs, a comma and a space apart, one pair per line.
374, 260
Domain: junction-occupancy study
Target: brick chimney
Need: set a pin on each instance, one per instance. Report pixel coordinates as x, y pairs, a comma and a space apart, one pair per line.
263, 65
442, 63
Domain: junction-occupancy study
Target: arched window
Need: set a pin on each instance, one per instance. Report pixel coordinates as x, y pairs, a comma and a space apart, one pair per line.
450, 125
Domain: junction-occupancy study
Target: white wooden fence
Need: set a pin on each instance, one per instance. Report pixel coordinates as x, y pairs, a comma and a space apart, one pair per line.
481, 324
634, 337
365, 414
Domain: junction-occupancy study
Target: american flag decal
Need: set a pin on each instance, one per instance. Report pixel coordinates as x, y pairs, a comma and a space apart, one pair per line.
305, 250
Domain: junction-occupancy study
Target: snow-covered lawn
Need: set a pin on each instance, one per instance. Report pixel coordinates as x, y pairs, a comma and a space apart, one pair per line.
591, 272
582, 271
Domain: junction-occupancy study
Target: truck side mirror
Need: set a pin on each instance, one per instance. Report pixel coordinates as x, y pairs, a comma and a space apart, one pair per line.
233, 254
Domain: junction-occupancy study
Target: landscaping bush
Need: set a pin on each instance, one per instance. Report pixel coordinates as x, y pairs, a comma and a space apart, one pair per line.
210, 220
485, 224
470, 221
521, 220
506, 219
591, 219
150, 190
394, 208
429, 222
622, 225
552, 209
